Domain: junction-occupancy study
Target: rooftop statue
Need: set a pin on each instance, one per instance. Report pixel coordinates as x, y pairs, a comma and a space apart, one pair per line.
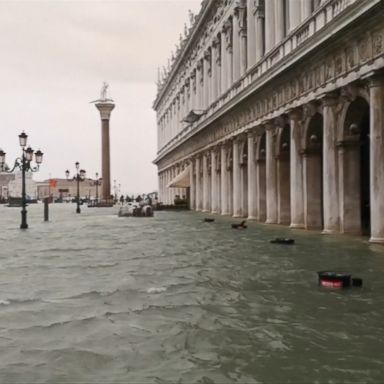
103, 92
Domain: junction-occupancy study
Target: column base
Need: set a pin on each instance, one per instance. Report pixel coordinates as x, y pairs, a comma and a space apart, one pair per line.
206, 210
269, 221
329, 232
225, 214
214, 212
252, 218
296, 226
237, 215
377, 240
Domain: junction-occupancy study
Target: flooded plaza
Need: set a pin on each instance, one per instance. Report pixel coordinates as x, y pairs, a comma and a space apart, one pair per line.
171, 299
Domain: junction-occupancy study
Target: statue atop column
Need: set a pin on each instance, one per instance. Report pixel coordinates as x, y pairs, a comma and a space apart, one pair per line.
103, 94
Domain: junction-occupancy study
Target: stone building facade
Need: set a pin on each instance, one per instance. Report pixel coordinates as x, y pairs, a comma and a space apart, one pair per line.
274, 110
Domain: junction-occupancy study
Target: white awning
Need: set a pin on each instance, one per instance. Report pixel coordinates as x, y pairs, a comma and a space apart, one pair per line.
181, 180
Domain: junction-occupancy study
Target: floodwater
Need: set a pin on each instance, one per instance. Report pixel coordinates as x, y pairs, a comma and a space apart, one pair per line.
93, 298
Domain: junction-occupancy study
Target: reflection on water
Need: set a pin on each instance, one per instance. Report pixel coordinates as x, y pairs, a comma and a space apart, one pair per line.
97, 298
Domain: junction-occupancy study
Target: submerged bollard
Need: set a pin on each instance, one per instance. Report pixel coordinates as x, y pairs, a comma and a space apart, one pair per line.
46, 209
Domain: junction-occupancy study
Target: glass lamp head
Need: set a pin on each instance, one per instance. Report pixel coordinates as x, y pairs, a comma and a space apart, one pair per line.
29, 154
82, 174
39, 156
23, 137
67, 173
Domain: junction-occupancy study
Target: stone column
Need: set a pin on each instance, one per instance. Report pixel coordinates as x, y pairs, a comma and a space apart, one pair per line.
251, 28
261, 182
192, 187
330, 179
228, 31
236, 180
296, 170
242, 23
207, 79
192, 91
236, 47
205, 184
269, 25
259, 26
224, 69
279, 21
198, 97
252, 178
294, 14
376, 93
306, 9
214, 70
224, 181
271, 192
198, 186
105, 108
214, 184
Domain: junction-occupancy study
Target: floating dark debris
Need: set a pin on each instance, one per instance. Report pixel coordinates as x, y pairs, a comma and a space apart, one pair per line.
241, 225
280, 240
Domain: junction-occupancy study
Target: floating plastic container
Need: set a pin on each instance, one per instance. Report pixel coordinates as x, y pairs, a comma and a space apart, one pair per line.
334, 279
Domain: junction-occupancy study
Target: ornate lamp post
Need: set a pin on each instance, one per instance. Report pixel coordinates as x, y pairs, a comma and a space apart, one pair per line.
80, 176
24, 164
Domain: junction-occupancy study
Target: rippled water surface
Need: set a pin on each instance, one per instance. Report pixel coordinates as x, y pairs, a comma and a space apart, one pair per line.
170, 299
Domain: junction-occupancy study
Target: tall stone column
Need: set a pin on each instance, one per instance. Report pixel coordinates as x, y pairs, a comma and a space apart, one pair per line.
376, 92
261, 181
105, 108
214, 183
296, 170
259, 26
224, 181
271, 200
224, 69
251, 28
192, 186
252, 177
242, 36
294, 14
330, 179
205, 184
269, 25
214, 70
198, 186
236, 180
198, 97
236, 47
279, 21
228, 31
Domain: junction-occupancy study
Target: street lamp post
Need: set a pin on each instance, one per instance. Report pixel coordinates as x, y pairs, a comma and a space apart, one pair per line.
24, 164
80, 176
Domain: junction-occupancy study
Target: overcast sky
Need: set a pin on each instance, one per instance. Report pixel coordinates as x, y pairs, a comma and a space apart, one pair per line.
55, 56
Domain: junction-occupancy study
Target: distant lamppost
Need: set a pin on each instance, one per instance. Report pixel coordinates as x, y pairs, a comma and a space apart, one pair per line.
97, 182
80, 176
24, 164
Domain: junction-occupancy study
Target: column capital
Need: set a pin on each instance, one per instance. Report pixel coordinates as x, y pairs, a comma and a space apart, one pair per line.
280, 121
375, 78
296, 114
329, 99
269, 125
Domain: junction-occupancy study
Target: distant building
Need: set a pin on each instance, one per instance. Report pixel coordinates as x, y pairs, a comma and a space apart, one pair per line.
15, 185
67, 189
